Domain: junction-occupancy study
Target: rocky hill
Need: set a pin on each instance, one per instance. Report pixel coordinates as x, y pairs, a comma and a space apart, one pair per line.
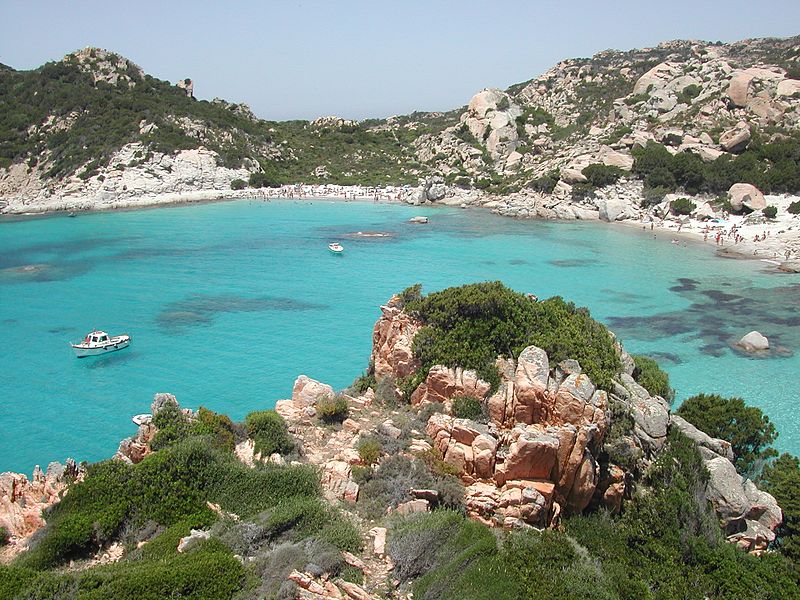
94, 127
529, 471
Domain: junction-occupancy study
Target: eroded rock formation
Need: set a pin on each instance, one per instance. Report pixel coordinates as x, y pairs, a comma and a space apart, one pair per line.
23, 501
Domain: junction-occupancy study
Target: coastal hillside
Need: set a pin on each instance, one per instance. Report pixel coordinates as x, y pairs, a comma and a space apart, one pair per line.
94, 125
610, 137
496, 447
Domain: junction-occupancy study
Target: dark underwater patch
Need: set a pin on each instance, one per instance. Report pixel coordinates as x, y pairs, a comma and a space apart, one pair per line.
201, 310
569, 263
718, 318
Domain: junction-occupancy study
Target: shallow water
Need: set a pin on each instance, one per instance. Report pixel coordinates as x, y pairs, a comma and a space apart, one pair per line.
227, 303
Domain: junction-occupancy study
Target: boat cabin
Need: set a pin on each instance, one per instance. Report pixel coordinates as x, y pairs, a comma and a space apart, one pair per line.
96, 337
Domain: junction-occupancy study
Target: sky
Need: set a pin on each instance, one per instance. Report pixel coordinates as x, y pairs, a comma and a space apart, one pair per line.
300, 59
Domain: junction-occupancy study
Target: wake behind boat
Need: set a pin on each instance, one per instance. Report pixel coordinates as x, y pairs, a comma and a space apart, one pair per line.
336, 248
98, 342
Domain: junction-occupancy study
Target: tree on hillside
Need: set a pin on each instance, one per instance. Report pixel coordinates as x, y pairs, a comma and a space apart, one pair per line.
782, 479
747, 428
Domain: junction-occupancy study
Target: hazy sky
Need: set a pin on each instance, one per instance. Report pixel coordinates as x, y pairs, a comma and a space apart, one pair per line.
357, 59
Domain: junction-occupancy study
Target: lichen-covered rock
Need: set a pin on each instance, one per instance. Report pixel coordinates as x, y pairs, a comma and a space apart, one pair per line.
717, 446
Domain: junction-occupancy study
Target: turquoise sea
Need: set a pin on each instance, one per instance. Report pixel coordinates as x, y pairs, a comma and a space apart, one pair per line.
227, 303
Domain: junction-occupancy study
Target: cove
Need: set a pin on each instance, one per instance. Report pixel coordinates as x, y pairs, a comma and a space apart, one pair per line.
227, 303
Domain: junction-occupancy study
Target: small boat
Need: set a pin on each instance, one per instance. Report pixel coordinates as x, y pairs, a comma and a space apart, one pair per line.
336, 248
142, 419
71, 214
99, 342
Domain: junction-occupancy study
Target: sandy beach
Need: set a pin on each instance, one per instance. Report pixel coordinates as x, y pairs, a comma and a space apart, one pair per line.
773, 241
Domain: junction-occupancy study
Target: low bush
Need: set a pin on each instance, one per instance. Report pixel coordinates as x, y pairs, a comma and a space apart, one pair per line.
333, 410
364, 382
546, 183
238, 184
369, 451
435, 462
600, 175
168, 487
467, 407
390, 484
269, 432
650, 376
794, 208
616, 443
770, 212
3, 536
682, 206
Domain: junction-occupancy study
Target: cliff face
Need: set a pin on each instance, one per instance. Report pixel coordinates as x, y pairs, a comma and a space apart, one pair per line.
545, 449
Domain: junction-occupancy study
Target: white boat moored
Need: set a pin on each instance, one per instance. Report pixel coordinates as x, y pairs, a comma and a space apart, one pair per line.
99, 342
336, 248
142, 419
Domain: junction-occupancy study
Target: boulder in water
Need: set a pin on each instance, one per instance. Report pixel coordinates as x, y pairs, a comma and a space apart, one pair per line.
753, 342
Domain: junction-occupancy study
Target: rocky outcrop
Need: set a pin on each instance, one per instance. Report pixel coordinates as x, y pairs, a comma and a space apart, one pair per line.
187, 85
736, 139
746, 195
134, 449
23, 501
445, 383
753, 342
333, 452
134, 174
392, 339
747, 515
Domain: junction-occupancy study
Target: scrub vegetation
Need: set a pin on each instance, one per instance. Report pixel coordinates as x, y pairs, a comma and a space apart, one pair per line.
469, 326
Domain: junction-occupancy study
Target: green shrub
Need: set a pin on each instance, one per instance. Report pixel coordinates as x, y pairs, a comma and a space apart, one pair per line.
599, 175
467, 407
3, 536
168, 487
650, 376
470, 325
747, 428
682, 206
781, 478
238, 184
546, 183
333, 410
364, 382
269, 432
171, 424
770, 212
261, 180
219, 427
396, 475
369, 451
631, 100
794, 208
689, 93
616, 443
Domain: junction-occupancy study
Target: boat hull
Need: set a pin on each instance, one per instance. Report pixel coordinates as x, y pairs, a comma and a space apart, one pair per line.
114, 344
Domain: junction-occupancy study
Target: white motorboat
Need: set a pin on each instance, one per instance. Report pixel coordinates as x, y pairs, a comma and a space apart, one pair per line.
336, 248
99, 342
142, 419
